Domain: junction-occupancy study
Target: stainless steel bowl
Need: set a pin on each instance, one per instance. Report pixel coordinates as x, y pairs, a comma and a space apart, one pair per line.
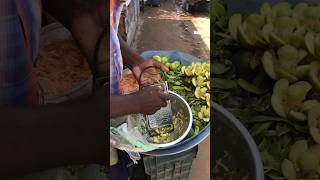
178, 104
232, 145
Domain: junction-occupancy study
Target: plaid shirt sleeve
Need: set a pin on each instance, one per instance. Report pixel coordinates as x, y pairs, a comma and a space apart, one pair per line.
20, 25
116, 64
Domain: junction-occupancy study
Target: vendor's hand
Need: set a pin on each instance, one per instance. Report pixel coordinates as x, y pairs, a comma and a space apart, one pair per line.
150, 100
138, 68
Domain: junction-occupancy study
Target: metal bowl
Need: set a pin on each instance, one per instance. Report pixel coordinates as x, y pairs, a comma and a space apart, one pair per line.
232, 138
178, 104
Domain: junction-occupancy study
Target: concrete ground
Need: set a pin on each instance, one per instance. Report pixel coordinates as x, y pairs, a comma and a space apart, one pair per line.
162, 28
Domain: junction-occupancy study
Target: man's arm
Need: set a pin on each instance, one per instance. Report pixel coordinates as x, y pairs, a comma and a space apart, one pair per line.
53, 135
130, 57
87, 21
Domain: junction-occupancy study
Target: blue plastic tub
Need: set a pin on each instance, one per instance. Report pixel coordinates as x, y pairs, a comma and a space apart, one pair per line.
190, 142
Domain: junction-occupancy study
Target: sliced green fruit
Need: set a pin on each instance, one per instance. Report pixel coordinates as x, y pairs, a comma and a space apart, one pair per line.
299, 90
301, 71
315, 149
223, 83
297, 149
314, 122
267, 28
268, 65
297, 37
278, 102
164, 60
243, 37
312, 12
288, 170
314, 74
254, 21
308, 105
309, 42
284, 74
265, 9
287, 53
219, 68
158, 58
249, 87
298, 10
275, 40
302, 54
234, 22
317, 45
297, 116
284, 25
282, 9
315, 134
314, 116
308, 162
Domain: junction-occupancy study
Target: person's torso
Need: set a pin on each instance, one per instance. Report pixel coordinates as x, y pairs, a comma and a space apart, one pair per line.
116, 63
20, 26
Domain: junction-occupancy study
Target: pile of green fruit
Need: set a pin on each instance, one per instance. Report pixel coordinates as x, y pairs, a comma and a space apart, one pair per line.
192, 82
266, 69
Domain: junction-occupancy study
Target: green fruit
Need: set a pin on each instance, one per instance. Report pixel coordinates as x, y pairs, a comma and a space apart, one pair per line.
297, 116
309, 162
223, 83
243, 37
158, 58
298, 10
315, 134
265, 9
309, 42
287, 53
299, 90
297, 149
254, 21
164, 60
314, 116
308, 105
278, 98
301, 71
297, 37
275, 40
234, 23
314, 75
282, 9
268, 65
266, 30
249, 87
288, 170
284, 74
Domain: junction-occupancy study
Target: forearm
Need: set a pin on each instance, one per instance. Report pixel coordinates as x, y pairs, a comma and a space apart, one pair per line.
33, 139
117, 104
130, 57
86, 20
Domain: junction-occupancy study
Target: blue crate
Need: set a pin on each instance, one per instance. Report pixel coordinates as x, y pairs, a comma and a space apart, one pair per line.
175, 166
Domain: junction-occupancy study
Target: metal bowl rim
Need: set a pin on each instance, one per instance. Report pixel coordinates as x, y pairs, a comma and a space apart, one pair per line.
259, 173
188, 128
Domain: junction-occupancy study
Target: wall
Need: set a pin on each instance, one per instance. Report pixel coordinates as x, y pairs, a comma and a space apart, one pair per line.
131, 12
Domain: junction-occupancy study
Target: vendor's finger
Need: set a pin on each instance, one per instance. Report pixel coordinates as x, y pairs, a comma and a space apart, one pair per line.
161, 66
164, 97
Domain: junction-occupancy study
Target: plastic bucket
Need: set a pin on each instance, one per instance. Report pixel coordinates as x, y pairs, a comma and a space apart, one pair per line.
187, 143
231, 137
56, 31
